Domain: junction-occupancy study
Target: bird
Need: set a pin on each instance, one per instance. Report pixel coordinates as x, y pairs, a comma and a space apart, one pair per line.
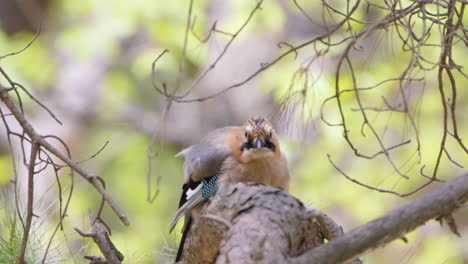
228, 155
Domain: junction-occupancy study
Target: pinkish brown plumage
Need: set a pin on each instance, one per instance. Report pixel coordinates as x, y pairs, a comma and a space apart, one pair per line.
248, 153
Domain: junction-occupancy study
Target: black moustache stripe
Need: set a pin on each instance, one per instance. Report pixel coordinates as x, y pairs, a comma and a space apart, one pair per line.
249, 145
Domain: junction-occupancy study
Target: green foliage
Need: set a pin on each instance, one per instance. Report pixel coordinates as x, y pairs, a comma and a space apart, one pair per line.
11, 235
10, 240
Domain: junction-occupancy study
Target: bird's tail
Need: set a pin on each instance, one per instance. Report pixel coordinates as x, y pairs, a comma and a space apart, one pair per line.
194, 198
187, 224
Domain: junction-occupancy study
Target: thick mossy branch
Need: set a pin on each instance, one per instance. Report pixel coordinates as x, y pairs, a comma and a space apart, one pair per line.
251, 223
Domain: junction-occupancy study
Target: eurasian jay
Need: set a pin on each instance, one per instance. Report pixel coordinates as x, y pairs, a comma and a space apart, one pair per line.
248, 153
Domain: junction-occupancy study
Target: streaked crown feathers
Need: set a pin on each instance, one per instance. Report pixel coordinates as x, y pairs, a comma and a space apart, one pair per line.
258, 127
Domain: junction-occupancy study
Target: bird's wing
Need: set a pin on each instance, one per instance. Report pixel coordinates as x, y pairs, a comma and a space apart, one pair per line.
205, 158
194, 198
202, 161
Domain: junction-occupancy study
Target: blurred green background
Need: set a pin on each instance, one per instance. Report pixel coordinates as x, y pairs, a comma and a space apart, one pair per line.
91, 65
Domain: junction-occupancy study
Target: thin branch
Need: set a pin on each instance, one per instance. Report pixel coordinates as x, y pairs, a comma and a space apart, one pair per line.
266, 66
36, 101
100, 236
162, 91
29, 214
29, 130
223, 52
379, 189
25, 47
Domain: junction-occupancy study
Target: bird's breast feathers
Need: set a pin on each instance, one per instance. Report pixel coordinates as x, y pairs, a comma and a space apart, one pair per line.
273, 171
256, 154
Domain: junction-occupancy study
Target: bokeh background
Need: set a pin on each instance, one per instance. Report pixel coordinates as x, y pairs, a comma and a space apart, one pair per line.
91, 65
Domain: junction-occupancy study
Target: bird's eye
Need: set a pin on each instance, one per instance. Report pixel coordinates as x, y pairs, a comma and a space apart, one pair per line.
269, 134
247, 134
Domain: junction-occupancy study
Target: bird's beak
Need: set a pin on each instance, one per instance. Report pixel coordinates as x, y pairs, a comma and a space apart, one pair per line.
258, 143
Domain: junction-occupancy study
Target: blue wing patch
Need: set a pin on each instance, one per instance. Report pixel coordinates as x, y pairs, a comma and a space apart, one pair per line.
210, 186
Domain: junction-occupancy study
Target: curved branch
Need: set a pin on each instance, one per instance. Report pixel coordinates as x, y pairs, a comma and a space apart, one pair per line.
252, 223
441, 202
37, 138
27, 228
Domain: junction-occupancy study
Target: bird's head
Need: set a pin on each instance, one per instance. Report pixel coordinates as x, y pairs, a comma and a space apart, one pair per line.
258, 142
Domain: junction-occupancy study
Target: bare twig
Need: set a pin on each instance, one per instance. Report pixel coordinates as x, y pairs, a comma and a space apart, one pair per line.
101, 237
37, 138
25, 47
265, 66
379, 189
223, 52
29, 214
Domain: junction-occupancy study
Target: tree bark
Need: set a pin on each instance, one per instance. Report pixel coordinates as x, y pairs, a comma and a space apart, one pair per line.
438, 203
250, 223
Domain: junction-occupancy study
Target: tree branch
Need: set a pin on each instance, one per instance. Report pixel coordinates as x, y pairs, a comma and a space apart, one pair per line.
251, 223
101, 237
40, 140
441, 202
27, 228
